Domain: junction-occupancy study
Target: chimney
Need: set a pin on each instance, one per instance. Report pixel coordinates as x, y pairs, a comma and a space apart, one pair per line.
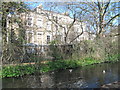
40, 6
66, 13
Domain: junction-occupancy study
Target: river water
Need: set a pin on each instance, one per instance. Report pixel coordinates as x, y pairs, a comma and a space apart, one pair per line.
92, 76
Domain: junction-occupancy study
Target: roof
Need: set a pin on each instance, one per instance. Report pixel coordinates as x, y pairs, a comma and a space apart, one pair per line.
52, 11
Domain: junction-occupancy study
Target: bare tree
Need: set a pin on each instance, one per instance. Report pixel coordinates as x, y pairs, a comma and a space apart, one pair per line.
11, 41
99, 15
71, 20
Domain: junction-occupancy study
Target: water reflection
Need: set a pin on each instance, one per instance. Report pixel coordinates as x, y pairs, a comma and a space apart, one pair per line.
87, 77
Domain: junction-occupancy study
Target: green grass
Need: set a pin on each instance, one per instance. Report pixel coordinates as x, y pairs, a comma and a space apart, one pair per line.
20, 70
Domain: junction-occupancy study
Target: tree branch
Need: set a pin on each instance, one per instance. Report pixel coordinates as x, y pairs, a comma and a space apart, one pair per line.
78, 35
112, 19
107, 5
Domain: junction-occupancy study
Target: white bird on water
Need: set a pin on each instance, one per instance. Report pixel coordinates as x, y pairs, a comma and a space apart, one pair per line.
104, 71
70, 70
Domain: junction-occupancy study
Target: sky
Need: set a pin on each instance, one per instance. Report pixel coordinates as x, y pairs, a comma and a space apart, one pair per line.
33, 5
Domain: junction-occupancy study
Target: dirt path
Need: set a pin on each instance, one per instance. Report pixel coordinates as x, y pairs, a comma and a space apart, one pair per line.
43, 62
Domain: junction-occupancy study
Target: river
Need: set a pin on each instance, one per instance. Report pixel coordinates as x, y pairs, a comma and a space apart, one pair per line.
92, 76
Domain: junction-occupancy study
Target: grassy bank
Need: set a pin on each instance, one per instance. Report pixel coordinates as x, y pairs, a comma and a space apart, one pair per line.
20, 70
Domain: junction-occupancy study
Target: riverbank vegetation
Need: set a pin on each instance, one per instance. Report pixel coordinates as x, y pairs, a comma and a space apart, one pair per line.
21, 69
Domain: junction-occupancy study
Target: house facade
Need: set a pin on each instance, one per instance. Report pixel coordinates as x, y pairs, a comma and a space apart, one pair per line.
43, 27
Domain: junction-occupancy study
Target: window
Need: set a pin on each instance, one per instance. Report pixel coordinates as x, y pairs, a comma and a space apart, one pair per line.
30, 18
30, 21
40, 23
58, 37
39, 34
48, 39
49, 25
77, 28
30, 37
54, 17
